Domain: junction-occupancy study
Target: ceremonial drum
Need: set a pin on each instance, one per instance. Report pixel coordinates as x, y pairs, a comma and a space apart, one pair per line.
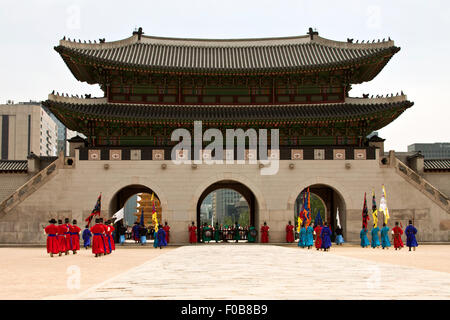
208, 234
253, 233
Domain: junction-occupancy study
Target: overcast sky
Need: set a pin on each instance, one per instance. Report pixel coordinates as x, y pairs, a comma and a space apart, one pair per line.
31, 68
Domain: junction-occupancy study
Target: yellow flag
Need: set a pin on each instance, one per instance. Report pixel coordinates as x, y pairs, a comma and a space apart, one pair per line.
383, 205
154, 214
299, 224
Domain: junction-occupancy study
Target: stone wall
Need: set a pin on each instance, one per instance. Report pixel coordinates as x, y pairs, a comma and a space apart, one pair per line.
73, 191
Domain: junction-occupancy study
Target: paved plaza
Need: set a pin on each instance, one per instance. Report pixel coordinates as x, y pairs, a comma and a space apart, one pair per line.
235, 272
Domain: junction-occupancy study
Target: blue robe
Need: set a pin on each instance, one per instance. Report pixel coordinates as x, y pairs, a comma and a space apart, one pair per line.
364, 240
302, 238
161, 235
87, 237
410, 232
385, 237
375, 239
309, 236
155, 242
325, 235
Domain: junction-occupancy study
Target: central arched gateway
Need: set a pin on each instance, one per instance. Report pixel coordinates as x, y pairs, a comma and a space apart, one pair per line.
240, 188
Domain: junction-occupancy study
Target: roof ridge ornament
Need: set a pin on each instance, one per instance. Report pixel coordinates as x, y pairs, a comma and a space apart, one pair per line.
139, 33
312, 33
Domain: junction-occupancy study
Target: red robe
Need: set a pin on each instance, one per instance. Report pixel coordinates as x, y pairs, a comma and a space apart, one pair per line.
318, 242
62, 229
75, 237
398, 243
265, 234
52, 240
97, 239
289, 233
192, 236
109, 235
105, 238
167, 229
68, 237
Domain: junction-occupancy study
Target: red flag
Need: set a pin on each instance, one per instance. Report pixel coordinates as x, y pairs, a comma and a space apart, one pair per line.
365, 214
96, 211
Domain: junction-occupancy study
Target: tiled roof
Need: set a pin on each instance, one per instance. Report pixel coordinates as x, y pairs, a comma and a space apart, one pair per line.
252, 55
13, 165
437, 164
354, 109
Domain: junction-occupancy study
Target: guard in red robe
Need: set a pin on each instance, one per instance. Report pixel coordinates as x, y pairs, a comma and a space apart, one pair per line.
106, 247
62, 229
289, 233
318, 232
397, 235
192, 236
265, 233
68, 236
52, 241
75, 236
166, 229
98, 247
110, 240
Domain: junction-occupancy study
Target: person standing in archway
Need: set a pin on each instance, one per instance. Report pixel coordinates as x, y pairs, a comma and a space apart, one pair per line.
206, 233
265, 233
236, 234
192, 236
252, 234
309, 237
339, 237
326, 237
317, 233
217, 233
289, 233
161, 237
135, 232
302, 236
166, 230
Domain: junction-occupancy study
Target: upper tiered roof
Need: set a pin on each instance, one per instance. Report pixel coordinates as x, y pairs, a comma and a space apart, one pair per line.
299, 54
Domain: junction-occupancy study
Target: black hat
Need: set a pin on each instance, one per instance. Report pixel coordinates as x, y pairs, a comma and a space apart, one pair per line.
59, 221
52, 220
74, 221
100, 219
410, 221
66, 220
97, 220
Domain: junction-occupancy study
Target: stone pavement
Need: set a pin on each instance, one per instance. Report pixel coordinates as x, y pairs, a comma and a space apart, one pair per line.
268, 272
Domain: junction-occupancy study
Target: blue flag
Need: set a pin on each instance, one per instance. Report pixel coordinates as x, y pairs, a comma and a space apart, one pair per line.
142, 218
318, 220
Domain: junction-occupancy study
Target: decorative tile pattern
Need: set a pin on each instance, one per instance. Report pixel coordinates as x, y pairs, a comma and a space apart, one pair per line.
273, 154
94, 154
360, 154
250, 155
158, 154
319, 154
338, 154
297, 154
181, 155
135, 155
115, 154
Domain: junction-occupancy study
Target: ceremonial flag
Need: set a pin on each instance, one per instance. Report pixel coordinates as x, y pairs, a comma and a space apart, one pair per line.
300, 214
308, 209
154, 213
383, 205
318, 221
96, 211
118, 215
141, 222
365, 213
374, 210
338, 222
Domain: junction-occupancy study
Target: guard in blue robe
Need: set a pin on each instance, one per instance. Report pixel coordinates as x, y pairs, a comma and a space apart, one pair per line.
410, 232
375, 240
155, 237
385, 243
364, 240
326, 237
302, 237
161, 236
87, 237
339, 237
309, 236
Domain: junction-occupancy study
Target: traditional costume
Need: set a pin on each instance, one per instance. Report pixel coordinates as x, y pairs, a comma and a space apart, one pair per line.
192, 236
135, 232
106, 246
325, 235
397, 235
87, 237
309, 236
206, 234
364, 240
317, 232
62, 229
302, 237
161, 236
252, 234
52, 241
375, 240
98, 247
236, 235
265, 233
339, 237
385, 243
68, 236
217, 233
410, 232
289, 233
166, 230
109, 230
155, 239
143, 234
75, 236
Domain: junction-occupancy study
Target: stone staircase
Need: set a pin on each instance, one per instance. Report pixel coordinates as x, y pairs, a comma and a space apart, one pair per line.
421, 184
31, 186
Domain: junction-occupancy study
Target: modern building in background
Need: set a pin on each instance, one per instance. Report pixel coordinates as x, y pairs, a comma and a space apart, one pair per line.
432, 150
26, 128
63, 134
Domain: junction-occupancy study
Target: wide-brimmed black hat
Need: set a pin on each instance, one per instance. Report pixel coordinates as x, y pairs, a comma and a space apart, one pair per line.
52, 220
74, 221
66, 220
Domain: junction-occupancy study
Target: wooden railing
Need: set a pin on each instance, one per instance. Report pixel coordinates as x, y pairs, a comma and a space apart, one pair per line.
423, 185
